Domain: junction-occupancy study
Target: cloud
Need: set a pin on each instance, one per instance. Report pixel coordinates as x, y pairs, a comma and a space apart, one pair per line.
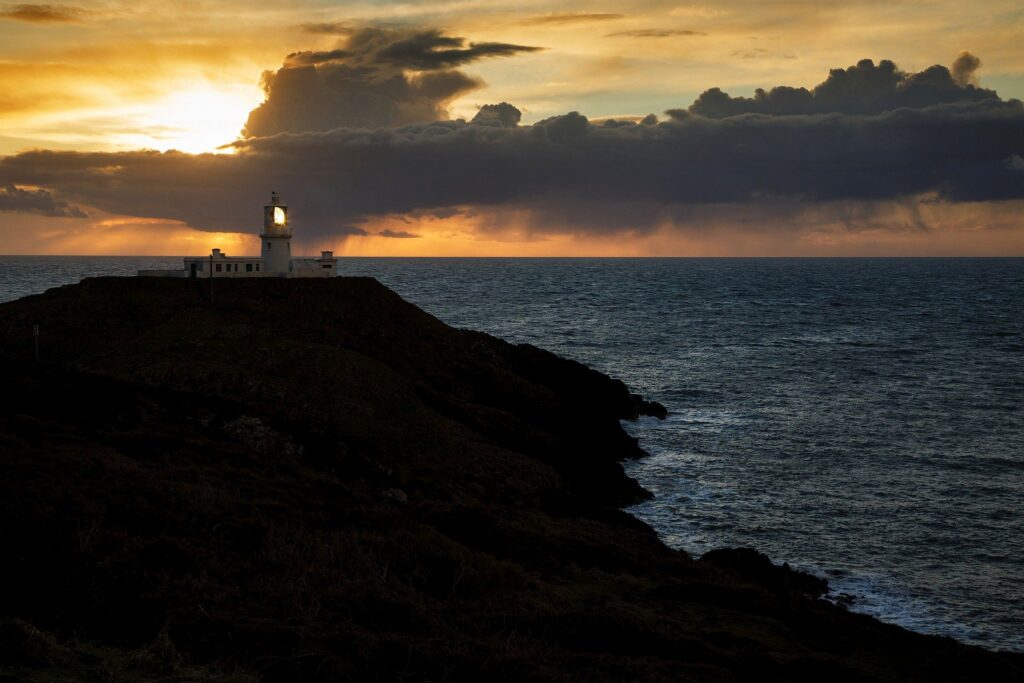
964, 67
337, 28
761, 53
312, 58
503, 115
376, 78
349, 230
399, 234
865, 88
559, 18
1014, 162
41, 14
429, 50
565, 172
655, 33
37, 201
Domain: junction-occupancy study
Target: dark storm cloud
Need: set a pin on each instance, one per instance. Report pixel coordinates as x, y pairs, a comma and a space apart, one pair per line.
377, 78
611, 176
311, 58
36, 201
655, 33
41, 14
865, 88
429, 50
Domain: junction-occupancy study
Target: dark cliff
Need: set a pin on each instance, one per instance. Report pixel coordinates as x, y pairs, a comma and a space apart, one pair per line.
314, 480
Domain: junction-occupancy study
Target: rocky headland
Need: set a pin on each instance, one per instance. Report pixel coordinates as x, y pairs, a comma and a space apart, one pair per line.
292, 480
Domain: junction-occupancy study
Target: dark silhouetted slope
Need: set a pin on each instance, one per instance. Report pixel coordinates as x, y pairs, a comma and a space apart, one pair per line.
315, 480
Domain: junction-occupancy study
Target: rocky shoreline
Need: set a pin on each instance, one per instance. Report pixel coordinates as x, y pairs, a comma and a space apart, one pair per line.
315, 480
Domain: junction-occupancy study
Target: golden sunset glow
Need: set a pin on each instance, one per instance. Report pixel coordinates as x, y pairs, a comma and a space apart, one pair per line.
195, 121
197, 78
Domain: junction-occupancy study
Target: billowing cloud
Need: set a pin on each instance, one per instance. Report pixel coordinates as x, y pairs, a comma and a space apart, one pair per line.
503, 115
865, 88
566, 173
377, 78
41, 14
37, 201
964, 67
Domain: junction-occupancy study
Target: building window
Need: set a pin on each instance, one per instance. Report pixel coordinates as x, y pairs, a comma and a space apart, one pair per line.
218, 267
269, 245
327, 265
199, 266
257, 267
248, 267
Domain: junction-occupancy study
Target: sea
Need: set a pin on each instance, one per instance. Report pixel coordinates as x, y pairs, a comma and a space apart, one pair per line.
861, 419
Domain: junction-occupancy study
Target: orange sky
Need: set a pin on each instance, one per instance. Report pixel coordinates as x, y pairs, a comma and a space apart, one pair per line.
184, 75
817, 233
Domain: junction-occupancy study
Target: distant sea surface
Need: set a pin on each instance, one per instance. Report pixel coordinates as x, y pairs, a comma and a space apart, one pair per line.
862, 419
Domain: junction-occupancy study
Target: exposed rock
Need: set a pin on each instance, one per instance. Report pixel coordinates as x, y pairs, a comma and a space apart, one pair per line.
759, 569
845, 599
649, 408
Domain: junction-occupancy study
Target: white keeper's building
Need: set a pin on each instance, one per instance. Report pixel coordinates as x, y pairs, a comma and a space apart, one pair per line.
275, 259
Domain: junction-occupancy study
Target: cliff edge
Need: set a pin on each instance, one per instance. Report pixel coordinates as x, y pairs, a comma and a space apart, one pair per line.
314, 480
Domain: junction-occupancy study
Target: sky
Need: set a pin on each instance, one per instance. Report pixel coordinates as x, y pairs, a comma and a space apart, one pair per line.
528, 128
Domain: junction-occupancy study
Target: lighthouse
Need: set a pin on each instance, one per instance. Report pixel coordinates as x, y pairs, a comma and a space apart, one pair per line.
276, 238
275, 258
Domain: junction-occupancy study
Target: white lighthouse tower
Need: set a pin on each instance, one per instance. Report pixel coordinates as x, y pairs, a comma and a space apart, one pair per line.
275, 255
276, 238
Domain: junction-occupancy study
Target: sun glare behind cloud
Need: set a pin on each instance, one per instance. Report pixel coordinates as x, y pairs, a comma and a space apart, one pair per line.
194, 120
